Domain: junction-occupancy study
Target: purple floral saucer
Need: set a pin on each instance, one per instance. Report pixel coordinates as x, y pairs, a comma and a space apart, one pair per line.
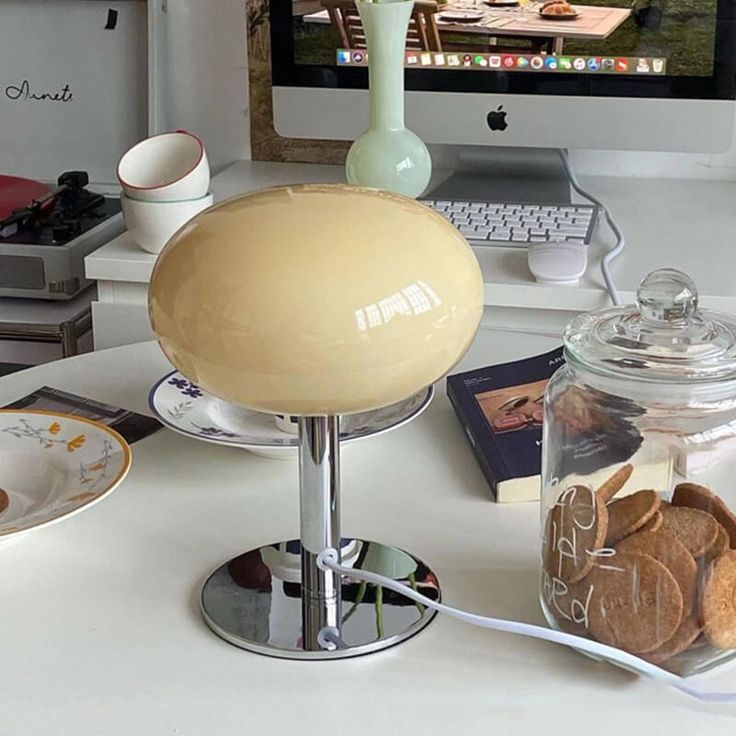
185, 408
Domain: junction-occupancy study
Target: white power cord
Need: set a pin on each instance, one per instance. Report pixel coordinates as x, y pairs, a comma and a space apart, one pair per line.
620, 239
327, 560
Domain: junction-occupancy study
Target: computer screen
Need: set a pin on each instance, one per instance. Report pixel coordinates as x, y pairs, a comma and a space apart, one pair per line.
586, 52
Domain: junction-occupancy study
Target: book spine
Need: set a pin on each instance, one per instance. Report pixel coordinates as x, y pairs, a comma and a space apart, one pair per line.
475, 445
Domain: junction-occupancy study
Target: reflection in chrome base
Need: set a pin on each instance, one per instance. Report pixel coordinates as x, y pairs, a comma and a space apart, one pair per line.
254, 601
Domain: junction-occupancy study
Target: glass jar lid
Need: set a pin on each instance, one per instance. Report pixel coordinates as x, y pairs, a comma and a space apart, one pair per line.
665, 337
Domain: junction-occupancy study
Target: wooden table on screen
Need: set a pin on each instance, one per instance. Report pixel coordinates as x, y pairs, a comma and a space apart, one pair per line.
594, 23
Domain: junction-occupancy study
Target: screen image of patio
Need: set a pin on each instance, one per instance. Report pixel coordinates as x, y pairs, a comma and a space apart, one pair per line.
681, 31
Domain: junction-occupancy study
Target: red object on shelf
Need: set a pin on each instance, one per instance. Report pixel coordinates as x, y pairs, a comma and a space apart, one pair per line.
16, 193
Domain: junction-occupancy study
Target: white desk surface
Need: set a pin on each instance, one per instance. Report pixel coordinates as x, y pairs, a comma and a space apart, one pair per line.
100, 631
685, 224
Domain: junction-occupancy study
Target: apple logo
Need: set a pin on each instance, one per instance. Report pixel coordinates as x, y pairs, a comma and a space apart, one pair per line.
497, 119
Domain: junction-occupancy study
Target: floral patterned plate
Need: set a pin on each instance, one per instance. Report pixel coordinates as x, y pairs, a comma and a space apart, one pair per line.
54, 465
187, 409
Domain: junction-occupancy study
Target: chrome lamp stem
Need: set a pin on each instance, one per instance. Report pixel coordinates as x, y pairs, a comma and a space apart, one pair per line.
319, 502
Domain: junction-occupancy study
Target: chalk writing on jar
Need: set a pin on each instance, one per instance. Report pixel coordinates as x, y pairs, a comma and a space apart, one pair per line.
567, 601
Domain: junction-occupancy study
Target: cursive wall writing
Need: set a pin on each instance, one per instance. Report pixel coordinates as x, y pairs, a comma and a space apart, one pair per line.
23, 92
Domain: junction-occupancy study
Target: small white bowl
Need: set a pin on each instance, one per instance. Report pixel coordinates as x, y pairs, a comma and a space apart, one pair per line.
169, 167
153, 223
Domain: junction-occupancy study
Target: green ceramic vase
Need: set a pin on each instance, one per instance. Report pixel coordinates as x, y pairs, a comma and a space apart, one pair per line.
387, 155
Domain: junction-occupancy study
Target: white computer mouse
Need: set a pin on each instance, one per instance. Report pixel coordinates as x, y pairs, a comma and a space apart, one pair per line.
557, 263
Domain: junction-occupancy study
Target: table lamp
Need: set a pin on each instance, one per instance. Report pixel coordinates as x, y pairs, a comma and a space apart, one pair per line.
316, 301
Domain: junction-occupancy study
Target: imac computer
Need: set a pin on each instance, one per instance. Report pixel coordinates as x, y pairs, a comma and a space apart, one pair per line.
649, 75
653, 75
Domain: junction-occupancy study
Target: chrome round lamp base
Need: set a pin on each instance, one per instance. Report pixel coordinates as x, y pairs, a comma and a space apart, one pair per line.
254, 601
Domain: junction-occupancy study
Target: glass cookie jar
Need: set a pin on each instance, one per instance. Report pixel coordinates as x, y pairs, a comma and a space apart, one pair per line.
639, 479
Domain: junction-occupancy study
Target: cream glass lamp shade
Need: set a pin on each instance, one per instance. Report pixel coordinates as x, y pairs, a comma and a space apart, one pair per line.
316, 299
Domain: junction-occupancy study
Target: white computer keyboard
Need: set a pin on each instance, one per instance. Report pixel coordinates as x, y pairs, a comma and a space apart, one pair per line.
504, 224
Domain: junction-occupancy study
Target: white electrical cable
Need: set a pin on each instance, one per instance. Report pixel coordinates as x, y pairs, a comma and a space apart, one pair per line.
620, 239
327, 560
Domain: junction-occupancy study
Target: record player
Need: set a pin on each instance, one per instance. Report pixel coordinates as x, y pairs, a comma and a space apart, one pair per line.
46, 232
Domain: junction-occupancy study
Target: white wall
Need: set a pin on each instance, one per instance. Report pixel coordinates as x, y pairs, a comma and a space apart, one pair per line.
47, 46
202, 78
198, 81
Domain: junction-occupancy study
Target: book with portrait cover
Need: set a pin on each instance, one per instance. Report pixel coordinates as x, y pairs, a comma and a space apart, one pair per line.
500, 409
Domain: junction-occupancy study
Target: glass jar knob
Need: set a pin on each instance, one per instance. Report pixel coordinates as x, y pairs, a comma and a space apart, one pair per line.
667, 296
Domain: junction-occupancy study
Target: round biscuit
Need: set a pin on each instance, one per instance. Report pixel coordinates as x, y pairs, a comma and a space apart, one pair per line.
576, 529
568, 603
720, 546
685, 635
719, 602
654, 524
696, 529
629, 514
664, 547
615, 483
699, 497
636, 603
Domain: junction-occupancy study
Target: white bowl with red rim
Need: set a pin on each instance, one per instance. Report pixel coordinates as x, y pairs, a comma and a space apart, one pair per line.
169, 167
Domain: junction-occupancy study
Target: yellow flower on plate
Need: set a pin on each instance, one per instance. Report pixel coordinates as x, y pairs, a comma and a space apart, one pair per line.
75, 444
83, 496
